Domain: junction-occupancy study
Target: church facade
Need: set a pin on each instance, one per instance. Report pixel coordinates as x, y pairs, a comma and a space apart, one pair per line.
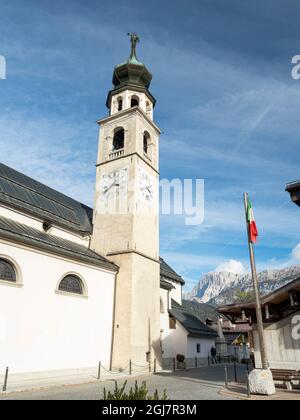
81, 285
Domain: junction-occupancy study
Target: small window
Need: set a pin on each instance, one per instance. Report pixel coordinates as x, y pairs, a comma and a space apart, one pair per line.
71, 284
7, 271
172, 323
146, 140
134, 101
198, 348
118, 140
120, 104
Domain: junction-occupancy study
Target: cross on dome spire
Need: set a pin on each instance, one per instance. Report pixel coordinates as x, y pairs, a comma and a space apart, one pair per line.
134, 39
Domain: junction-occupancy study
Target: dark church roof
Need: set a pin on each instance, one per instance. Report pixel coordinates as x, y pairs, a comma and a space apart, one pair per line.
168, 273
26, 194
194, 326
23, 193
203, 311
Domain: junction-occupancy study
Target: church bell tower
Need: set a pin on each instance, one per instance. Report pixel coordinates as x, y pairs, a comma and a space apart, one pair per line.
126, 211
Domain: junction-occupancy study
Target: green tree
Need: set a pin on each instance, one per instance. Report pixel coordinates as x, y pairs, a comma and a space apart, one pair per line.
242, 296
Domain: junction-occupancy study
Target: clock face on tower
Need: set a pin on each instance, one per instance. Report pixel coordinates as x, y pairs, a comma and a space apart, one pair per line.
114, 184
146, 184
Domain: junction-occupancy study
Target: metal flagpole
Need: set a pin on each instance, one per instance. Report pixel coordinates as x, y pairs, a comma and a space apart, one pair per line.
260, 325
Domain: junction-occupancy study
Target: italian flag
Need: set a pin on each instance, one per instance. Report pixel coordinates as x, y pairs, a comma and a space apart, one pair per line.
253, 232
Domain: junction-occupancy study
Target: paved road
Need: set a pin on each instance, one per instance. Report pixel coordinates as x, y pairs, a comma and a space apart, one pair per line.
195, 384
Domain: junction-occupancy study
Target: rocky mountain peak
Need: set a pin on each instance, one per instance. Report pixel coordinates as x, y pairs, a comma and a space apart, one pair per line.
219, 288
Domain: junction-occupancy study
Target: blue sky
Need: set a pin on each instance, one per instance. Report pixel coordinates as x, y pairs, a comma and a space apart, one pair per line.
226, 103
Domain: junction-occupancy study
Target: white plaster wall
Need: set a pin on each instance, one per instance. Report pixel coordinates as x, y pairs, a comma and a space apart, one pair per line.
164, 317
20, 218
85, 241
178, 342
205, 343
41, 330
282, 350
176, 293
174, 341
38, 224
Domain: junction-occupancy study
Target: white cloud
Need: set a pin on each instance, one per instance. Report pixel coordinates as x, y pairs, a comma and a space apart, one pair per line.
296, 252
233, 266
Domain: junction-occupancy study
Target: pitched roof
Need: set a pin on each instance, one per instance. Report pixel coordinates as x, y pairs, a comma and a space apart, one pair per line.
291, 186
24, 193
168, 273
203, 311
194, 326
294, 189
27, 235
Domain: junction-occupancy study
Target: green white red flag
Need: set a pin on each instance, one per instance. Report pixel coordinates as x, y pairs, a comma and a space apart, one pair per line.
253, 232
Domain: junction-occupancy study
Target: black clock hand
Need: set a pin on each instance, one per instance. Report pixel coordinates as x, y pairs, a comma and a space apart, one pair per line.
112, 185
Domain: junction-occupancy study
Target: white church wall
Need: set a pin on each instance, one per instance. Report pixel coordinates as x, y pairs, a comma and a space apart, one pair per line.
164, 316
70, 236
174, 341
41, 330
38, 224
176, 293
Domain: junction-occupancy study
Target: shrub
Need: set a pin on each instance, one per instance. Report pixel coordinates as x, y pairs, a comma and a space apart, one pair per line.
136, 393
180, 358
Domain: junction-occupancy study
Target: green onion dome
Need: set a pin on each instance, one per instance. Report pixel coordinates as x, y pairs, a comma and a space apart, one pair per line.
132, 72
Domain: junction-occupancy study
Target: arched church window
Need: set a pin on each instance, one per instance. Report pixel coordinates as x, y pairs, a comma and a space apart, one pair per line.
7, 271
71, 284
134, 101
118, 140
120, 104
146, 141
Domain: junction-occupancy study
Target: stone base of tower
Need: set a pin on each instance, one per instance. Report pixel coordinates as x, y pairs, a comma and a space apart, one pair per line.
136, 329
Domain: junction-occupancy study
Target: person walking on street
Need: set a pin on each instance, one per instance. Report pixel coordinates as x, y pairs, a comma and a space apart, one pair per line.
213, 353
